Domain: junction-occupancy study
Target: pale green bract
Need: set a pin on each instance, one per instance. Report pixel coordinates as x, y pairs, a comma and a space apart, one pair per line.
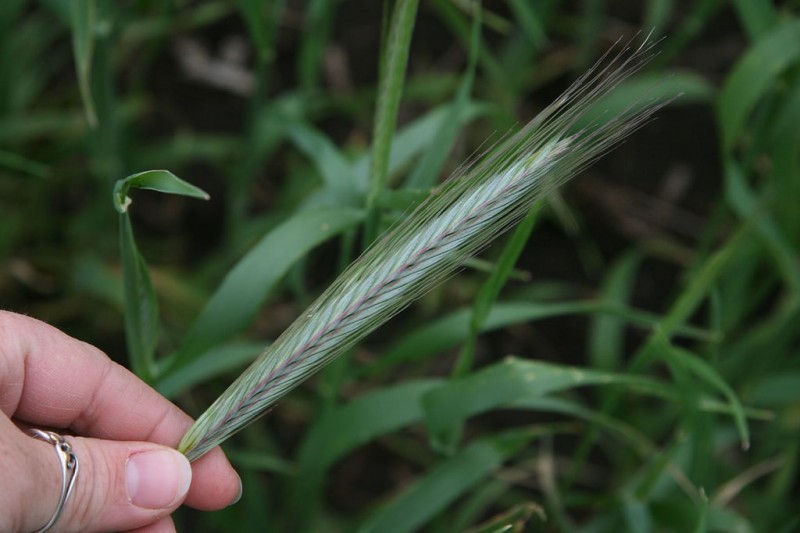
454, 223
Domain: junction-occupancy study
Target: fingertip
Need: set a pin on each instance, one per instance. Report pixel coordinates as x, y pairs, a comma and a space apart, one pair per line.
215, 483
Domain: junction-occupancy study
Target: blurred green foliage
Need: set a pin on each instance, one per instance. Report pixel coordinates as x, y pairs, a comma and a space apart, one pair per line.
654, 312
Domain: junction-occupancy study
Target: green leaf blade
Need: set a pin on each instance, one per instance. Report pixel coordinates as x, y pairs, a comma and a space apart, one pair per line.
390, 88
140, 302
235, 302
141, 305
83, 17
753, 76
155, 180
445, 483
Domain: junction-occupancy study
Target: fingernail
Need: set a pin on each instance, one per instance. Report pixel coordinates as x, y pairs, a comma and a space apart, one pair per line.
241, 489
157, 479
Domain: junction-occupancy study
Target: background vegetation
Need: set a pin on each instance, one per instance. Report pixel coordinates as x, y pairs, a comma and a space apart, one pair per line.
653, 308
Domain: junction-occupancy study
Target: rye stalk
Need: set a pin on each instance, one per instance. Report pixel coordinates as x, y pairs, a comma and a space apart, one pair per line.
457, 221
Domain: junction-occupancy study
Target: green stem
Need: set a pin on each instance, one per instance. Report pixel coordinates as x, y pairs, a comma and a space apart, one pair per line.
390, 88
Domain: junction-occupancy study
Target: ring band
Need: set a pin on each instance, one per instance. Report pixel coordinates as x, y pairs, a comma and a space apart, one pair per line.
69, 470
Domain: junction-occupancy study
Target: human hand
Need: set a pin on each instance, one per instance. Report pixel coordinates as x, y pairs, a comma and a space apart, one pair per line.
130, 477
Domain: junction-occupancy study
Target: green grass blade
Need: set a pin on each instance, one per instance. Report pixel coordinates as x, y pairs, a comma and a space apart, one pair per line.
745, 203
606, 336
343, 429
402, 200
698, 287
754, 76
210, 364
697, 17
702, 518
242, 292
757, 16
361, 420
477, 504
261, 19
445, 483
92, 276
39, 123
622, 432
501, 385
82, 15
529, 20
720, 519
332, 165
784, 145
776, 390
141, 305
453, 329
162, 181
413, 139
656, 16
587, 29
638, 518
390, 88
426, 172
185, 148
459, 26
503, 268
19, 164
710, 376
317, 25
487, 296
762, 345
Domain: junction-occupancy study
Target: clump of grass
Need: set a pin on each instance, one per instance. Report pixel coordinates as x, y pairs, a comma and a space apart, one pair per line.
454, 223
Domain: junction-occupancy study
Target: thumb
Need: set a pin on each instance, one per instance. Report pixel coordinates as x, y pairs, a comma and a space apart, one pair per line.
120, 485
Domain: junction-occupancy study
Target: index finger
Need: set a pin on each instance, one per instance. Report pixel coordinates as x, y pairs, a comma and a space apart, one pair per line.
49, 378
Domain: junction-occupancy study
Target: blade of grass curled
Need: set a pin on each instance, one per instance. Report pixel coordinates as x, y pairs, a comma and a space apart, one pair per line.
454, 223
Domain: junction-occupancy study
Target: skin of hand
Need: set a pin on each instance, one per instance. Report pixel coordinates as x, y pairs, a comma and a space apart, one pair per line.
130, 477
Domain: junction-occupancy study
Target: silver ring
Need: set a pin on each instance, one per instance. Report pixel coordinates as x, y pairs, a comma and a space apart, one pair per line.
69, 470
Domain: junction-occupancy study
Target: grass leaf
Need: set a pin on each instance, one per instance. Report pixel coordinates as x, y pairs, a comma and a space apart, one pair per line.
141, 305
426, 173
490, 290
606, 337
453, 329
501, 385
82, 16
155, 180
710, 376
216, 361
446, 482
332, 165
757, 16
754, 76
390, 87
234, 304
353, 424
413, 139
